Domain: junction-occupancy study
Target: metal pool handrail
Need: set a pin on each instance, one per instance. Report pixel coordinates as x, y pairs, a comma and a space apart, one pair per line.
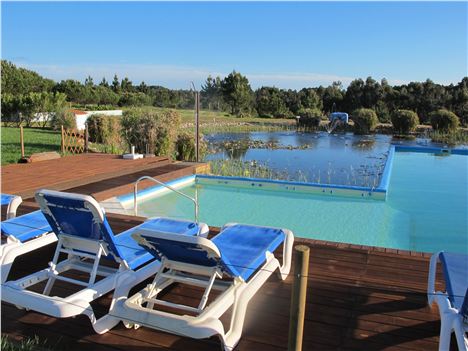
135, 193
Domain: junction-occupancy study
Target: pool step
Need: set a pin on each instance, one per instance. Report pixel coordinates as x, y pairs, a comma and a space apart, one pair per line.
123, 184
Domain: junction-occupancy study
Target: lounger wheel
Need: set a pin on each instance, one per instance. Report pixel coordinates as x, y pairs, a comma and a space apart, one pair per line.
128, 325
136, 326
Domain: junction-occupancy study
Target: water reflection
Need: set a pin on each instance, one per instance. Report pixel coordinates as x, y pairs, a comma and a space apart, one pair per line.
338, 158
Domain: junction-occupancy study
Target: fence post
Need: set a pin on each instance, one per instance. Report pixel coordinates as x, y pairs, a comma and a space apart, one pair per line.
298, 298
86, 138
62, 143
22, 141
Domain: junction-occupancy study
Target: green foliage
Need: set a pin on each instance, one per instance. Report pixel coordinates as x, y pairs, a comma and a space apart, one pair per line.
186, 148
270, 103
459, 100
211, 94
404, 121
310, 113
332, 96
27, 344
30, 108
18, 81
310, 99
365, 120
237, 94
233, 93
135, 99
63, 117
444, 120
104, 129
309, 119
148, 127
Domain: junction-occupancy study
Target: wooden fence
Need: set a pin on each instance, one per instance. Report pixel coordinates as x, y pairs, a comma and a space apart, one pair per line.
74, 142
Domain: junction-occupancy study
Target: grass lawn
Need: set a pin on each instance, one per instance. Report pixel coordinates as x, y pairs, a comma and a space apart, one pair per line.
35, 140
207, 116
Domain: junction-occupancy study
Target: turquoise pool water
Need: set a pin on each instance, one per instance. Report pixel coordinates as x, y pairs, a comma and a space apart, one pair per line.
426, 207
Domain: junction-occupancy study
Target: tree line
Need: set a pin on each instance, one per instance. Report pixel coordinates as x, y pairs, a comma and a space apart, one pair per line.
234, 94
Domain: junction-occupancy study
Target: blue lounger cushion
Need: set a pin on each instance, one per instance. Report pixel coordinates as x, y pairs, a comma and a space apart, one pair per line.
77, 215
6, 199
243, 247
455, 268
26, 227
134, 254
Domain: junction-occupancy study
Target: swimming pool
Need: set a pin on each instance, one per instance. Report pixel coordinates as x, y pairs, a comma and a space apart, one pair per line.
426, 205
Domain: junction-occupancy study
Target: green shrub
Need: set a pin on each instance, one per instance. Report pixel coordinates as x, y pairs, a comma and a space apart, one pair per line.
310, 118
444, 120
185, 147
151, 130
104, 129
404, 121
310, 113
63, 117
365, 120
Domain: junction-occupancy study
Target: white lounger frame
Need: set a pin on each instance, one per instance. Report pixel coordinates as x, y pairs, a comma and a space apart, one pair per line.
12, 247
138, 310
13, 206
78, 303
450, 318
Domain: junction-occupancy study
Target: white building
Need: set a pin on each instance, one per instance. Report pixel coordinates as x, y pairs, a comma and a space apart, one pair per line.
82, 116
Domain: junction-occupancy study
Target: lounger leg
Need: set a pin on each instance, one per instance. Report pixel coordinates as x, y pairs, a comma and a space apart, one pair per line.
445, 333
242, 299
462, 341
52, 271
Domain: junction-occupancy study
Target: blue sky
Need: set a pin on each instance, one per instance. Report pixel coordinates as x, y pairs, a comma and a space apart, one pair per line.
285, 44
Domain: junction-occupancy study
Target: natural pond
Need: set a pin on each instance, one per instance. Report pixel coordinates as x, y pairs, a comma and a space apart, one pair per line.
341, 158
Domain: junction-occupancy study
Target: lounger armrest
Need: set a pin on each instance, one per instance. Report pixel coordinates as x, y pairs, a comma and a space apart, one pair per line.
431, 293
13, 206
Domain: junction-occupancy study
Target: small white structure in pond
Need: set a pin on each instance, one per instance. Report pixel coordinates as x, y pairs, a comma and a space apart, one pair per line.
82, 116
341, 116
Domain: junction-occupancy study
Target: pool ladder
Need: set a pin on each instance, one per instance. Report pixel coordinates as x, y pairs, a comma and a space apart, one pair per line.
135, 193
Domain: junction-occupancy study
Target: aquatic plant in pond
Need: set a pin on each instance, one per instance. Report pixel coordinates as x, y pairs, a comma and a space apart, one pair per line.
361, 176
451, 138
249, 169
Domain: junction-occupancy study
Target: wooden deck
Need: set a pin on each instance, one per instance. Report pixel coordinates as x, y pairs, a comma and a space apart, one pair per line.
69, 171
88, 173
359, 298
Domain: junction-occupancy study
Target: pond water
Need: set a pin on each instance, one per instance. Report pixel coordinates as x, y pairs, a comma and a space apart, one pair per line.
344, 159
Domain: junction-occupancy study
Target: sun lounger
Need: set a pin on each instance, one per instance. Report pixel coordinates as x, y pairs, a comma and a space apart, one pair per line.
85, 236
453, 303
12, 201
243, 253
23, 234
